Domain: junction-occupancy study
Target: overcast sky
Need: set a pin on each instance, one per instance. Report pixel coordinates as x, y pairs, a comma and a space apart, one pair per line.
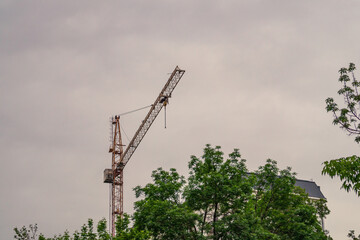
257, 76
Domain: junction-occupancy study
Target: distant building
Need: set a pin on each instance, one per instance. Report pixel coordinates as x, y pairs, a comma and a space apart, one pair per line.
310, 188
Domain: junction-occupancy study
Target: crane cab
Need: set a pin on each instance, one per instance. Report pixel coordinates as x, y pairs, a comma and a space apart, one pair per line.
108, 175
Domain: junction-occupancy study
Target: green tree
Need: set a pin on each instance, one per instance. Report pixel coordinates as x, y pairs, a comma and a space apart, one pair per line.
25, 233
348, 118
102, 230
218, 191
124, 232
162, 211
352, 235
347, 169
221, 200
86, 233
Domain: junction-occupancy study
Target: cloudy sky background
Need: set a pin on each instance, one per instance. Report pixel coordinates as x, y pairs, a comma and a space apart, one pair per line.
257, 75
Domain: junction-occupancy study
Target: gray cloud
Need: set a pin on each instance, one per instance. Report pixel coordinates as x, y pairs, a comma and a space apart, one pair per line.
257, 75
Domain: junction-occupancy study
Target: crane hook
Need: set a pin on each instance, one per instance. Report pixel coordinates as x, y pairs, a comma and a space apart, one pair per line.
165, 101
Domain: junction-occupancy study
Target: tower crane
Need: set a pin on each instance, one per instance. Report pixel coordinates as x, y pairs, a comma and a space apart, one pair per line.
120, 158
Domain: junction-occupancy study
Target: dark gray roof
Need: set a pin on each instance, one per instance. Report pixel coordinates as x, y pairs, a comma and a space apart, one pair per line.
310, 188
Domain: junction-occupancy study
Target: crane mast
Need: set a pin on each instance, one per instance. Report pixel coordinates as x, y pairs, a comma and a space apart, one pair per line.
121, 158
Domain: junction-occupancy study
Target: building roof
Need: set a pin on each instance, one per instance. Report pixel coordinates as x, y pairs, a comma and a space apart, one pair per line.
310, 188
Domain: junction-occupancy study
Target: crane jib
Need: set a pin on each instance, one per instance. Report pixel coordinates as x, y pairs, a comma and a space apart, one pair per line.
151, 116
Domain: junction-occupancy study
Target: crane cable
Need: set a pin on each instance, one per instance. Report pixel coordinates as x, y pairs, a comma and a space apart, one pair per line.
121, 126
122, 114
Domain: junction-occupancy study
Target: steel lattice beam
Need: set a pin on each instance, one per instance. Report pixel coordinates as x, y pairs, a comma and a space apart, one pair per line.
152, 114
117, 174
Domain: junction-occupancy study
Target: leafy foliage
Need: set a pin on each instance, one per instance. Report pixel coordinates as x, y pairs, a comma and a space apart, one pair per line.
353, 236
162, 212
25, 233
348, 117
221, 200
124, 232
348, 169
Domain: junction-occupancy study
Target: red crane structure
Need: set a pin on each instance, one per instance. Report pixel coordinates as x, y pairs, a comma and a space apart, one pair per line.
115, 176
